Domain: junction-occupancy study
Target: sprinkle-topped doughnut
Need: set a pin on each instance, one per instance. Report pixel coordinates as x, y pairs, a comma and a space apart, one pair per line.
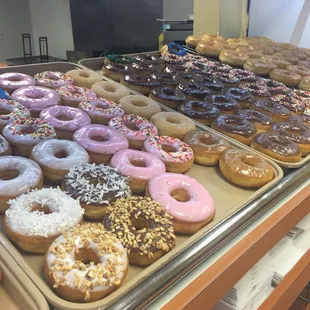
4, 94
301, 96
73, 95
175, 59
120, 59
257, 89
245, 76
274, 87
53, 79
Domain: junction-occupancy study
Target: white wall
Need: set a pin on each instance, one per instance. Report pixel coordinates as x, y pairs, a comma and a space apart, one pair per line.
177, 9
51, 19
14, 20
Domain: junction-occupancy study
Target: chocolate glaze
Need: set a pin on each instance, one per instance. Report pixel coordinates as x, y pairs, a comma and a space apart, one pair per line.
149, 59
166, 79
276, 88
209, 82
141, 80
223, 103
255, 117
271, 107
173, 69
240, 94
296, 132
300, 119
199, 110
290, 103
193, 89
118, 67
166, 93
144, 67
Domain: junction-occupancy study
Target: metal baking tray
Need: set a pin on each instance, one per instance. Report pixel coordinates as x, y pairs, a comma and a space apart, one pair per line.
235, 201
96, 64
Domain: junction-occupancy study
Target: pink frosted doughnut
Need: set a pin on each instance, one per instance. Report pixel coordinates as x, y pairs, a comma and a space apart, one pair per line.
190, 204
53, 79
135, 128
72, 95
12, 80
101, 110
65, 120
101, 142
36, 98
139, 166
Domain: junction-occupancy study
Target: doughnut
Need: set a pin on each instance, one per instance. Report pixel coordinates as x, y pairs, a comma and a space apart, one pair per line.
200, 111
285, 46
274, 87
235, 127
304, 63
277, 147
250, 51
96, 186
4, 95
233, 58
138, 166
167, 79
101, 110
301, 96
36, 98
181, 72
11, 110
57, 157
296, 106
289, 58
53, 79
242, 96
23, 134
172, 98
209, 48
188, 202
175, 59
303, 119
84, 78
140, 105
194, 90
11, 81
226, 45
18, 175
296, 132
192, 40
226, 104
135, 128
211, 83
110, 91
174, 48
209, 36
300, 70
287, 77
65, 120
265, 48
245, 76
239, 42
259, 66
245, 168
207, 147
120, 59
258, 90
279, 61
146, 231
101, 142
274, 110
229, 79
306, 51
173, 124
86, 263
304, 83
35, 219
140, 83
72, 95
141, 68
295, 53
5, 148
116, 71
149, 59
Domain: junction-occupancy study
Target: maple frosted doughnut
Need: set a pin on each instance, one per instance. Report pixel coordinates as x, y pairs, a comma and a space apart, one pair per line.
72, 95
11, 81
35, 219
57, 157
186, 200
18, 176
84, 78
5, 148
52, 79
110, 91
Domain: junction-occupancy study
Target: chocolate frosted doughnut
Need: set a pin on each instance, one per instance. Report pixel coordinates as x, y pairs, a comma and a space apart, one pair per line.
210, 82
145, 68
167, 79
275, 87
226, 104
194, 90
302, 119
276, 111
150, 59
242, 96
168, 96
116, 71
120, 59
200, 111
140, 83
261, 121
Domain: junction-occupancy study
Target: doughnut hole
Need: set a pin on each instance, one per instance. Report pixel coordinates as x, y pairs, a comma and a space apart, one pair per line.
61, 154
138, 163
86, 256
35, 206
28, 130
9, 174
180, 195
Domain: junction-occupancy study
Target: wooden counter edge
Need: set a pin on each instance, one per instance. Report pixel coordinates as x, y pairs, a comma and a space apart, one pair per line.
208, 288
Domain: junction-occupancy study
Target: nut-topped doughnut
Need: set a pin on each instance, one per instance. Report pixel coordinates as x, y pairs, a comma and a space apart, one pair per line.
96, 186
72, 95
242, 96
225, 103
143, 228
135, 128
11, 81
172, 98
52, 79
276, 111
86, 263
35, 219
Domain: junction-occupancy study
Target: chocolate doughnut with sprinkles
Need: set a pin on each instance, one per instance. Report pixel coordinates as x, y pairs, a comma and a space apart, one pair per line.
95, 186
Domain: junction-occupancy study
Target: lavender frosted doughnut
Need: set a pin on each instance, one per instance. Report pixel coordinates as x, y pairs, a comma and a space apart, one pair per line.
65, 120
53, 79
72, 95
36, 98
101, 142
13, 80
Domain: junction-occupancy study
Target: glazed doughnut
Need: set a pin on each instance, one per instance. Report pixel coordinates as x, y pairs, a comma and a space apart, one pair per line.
4, 95
57, 157
239, 42
226, 45
188, 202
72, 95
139, 167
147, 244
209, 36
140, 83
226, 104
233, 58
53, 79
84, 78
277, 147
250, 51
285, 46
209, 48
259, 66
287, 77
5, 148
120, 59
110, 91
279, 61
23, 134
258, 90
176, 155
140, 105
290, 58
172, 124
296, 132
274, 110
135, 128
36, 98
67, 270
207, 147
265, 48
304, 83
101, 142
11, 81
242, 96
245, 76
116, 71
245, 169
11, 110
192, 40
45, 213
303, 119
295, 53
300, 70
194, 90
200, 111
304, 63
235, 127
262, 122
96, 186
306, 51
65, 120
172, 98
18, 176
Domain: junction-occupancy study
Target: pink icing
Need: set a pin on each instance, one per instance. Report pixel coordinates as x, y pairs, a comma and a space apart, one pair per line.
14, 80
53, 79
200, 205
77, 118
114, 140
122, 160
75, 93
36, 98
